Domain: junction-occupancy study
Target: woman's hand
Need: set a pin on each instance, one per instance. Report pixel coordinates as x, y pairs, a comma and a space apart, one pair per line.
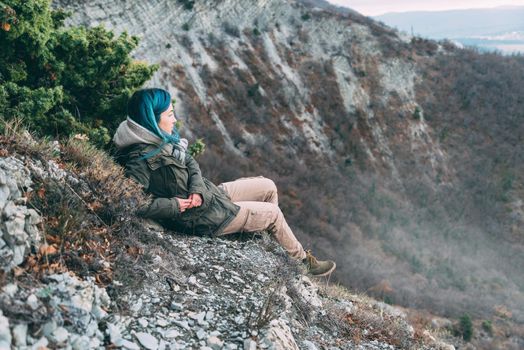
196, 200
183, 204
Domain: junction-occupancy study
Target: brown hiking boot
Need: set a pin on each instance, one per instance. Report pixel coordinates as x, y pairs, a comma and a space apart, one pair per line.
318, 268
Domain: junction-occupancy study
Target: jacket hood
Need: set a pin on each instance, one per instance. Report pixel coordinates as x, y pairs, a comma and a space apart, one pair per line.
130, 132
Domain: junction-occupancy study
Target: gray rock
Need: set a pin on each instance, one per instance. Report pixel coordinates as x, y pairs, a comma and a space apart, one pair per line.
98, 312
171, 333
4, 195
114, 333
15, 227
200, 317
80, 342
143, 322
309, 345
18, 255
210, 315
91, 327
40, 344
147, 340
280, 336
5, 334
59, 335
135, 307
176, 306
10, 289
126, 344
6, 257
214, 343
32, 302
20, 335
49, 327
201, 334
10, 210
192, 280
250, 344
3, 177
182, 324
161, 322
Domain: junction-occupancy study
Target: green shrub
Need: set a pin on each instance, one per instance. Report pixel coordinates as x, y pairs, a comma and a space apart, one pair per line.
466, 327
417, 114
487, 326
197, 148
61, 80
305, 16
231, 30
188, 4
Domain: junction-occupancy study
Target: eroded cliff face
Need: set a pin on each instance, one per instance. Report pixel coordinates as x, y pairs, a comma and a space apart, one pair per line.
356, 125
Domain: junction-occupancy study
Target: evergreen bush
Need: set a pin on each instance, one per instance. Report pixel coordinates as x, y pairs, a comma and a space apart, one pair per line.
466, 327
188, 4
62, 80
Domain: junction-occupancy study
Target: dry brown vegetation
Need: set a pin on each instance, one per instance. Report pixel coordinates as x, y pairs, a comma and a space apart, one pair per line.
89, 225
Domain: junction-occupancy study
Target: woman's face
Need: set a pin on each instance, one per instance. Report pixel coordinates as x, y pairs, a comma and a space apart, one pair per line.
167, 120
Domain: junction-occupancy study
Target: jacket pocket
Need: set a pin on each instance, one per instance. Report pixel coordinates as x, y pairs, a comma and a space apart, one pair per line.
163, 160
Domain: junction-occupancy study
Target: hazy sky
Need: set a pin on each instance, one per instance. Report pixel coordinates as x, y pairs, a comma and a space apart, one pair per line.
378, 7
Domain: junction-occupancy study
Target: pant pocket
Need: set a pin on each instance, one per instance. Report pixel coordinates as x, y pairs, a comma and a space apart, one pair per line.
258, 220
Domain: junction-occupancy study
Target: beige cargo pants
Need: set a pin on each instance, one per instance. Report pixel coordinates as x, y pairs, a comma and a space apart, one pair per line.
258, 201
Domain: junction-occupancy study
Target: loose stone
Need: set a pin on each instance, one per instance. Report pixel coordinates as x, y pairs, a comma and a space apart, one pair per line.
147, 340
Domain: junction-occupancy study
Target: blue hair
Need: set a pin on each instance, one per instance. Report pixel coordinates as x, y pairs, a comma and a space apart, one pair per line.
145, 107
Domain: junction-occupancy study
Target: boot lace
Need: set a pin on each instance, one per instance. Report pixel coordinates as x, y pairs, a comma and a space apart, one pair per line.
310, 259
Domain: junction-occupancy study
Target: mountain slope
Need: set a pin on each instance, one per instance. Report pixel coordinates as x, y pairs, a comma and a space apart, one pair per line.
402, 160
94, 276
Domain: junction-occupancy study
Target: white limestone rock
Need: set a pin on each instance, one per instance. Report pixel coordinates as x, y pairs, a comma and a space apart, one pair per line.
279, 336
147, 340
19, 333
5, 334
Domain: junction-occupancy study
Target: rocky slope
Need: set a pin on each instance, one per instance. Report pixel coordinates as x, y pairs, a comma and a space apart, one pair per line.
136, 286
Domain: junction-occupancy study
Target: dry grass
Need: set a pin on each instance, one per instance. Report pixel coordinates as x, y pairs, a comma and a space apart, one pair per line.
364, 321
88, 221
16, 138
116, 196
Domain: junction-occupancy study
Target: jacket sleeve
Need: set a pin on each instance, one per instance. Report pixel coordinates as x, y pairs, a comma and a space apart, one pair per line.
157, 208
195, 182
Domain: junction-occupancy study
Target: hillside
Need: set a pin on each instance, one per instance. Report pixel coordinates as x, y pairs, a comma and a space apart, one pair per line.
80, 271
412, 157
401, 159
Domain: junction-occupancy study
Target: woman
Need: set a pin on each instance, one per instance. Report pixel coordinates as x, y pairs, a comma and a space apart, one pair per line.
154, 155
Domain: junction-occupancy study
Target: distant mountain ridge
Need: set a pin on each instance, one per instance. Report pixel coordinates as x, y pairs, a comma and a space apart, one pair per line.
464, 26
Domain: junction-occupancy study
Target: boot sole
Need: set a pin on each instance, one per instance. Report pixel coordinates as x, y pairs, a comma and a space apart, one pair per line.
329, 272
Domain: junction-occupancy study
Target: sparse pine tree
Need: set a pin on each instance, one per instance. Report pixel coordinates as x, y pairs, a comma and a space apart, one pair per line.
466, 327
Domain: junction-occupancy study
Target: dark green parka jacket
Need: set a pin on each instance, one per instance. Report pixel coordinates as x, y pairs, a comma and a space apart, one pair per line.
165, 177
